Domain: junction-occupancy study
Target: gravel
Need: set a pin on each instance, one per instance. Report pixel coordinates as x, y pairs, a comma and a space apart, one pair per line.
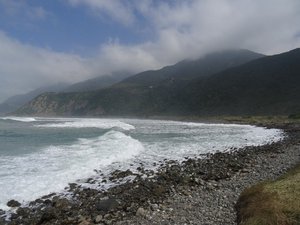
214, 202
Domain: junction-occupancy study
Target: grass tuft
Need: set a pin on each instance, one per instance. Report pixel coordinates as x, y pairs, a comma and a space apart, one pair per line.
272, 203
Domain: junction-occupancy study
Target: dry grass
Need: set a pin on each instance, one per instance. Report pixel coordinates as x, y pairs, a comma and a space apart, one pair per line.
272, 203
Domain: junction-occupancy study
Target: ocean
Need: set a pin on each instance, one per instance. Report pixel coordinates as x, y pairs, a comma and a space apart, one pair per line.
39, 156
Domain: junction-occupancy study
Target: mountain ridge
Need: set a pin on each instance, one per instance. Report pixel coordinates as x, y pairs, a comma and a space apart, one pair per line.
190, 69
13, 103
279, 74
243, 89
97, 83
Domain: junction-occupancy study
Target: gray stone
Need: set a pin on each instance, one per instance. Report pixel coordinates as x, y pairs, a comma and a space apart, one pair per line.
98, 218
141, 212
13, 203
107, 205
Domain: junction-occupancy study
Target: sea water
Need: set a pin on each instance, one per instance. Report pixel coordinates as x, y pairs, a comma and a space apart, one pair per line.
39, 156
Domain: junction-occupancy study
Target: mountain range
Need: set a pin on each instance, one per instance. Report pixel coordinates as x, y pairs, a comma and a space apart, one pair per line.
233, 82
13, 103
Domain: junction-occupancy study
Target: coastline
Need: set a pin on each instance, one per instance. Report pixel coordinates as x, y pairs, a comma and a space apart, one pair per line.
197, 191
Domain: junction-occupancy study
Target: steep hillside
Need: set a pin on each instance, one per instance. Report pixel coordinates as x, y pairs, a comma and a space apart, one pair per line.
150, 87
270, 85
97, 83
188, 70
14, 102
267, 85
52, 104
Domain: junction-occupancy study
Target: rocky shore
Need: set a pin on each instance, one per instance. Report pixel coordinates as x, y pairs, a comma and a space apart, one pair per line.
196, 191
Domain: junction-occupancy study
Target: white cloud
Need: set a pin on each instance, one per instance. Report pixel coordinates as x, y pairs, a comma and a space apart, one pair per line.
118, 57
198, 26
177, 29
193, 27
24, 67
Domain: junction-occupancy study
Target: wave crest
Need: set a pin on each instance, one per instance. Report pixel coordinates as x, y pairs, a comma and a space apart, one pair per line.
51, 169
20, 119
89, 123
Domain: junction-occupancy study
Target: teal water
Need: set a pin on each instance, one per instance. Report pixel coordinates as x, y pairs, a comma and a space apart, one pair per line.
18, 137
42, 155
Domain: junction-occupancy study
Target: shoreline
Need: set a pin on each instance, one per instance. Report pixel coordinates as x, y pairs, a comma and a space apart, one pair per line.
178, 193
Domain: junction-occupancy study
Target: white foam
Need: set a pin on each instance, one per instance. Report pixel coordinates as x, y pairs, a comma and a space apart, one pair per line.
177, 140
26, 177
21, 119
87, 123
31, 176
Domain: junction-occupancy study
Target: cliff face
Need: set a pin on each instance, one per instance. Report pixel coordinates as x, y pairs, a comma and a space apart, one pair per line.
267, 85
46, 104
51, 104
13, 103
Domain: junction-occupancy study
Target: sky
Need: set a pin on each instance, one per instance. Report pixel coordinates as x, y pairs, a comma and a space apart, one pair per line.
44, 42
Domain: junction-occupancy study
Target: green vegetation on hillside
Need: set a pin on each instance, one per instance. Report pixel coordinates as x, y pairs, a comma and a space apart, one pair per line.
266, 86
97, 83
215, 86
273, 202
13, 103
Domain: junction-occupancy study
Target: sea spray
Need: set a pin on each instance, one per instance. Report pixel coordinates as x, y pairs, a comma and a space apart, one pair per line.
45, 154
